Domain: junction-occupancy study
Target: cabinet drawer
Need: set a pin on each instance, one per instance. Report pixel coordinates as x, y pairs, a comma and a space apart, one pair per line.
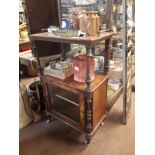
64, 102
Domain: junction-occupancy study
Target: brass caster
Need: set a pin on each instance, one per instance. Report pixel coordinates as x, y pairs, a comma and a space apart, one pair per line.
102, 123
50, 119
85, 142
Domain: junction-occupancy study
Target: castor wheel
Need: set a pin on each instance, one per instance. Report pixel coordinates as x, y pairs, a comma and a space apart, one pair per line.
102, 123
50, 119
86, 142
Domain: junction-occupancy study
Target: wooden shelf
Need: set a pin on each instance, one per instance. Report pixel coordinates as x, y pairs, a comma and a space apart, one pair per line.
23, 42
65, 120
113, 98
90, 40
70, 82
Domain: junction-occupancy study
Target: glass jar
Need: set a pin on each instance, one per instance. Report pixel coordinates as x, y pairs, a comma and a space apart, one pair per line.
91, 24
75, 20
97, 22
80, 68
83, 21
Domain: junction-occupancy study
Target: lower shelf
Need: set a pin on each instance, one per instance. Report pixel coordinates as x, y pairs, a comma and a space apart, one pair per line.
71, 122
65, 120
113, 98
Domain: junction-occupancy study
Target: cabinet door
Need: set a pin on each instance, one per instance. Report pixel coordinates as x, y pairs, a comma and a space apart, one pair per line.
64, 102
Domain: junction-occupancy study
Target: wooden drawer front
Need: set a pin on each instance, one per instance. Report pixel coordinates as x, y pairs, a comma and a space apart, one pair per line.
64, 102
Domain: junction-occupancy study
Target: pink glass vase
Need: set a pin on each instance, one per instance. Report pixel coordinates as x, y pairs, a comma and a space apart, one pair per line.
80, 68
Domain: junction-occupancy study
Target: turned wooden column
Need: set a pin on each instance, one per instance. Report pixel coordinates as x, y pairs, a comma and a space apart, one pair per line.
88, 98
38, 60
63, 55
106, 56
40, 68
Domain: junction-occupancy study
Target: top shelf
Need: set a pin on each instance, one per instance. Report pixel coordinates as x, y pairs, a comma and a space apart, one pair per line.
89, 41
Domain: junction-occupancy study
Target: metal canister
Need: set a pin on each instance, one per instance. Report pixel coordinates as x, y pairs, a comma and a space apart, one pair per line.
35, 93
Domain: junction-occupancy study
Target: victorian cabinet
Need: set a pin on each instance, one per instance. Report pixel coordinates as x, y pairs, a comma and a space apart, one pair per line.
82, 106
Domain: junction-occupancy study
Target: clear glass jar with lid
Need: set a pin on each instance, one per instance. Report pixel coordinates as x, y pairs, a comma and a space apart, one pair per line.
75, 21
91, 23
83, 21
97, 22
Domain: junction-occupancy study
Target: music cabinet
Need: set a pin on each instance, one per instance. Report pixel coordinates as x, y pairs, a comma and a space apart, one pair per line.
79, 105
